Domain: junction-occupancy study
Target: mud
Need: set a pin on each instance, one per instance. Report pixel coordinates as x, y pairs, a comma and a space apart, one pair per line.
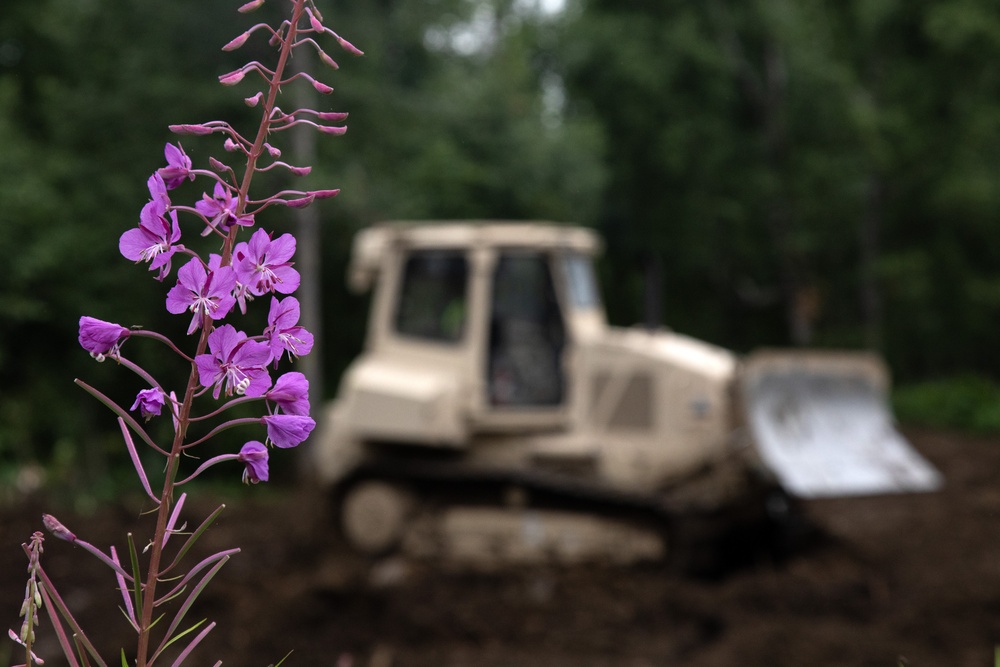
897, 580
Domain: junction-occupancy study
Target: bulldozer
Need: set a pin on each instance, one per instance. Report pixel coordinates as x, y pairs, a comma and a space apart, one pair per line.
495, 416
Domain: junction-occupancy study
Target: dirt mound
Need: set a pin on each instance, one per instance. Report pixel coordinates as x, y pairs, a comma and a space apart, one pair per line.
911, 579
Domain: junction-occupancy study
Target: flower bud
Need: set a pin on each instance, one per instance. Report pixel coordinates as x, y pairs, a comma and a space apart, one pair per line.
250, 6
255, 100
315, 23
298, 203
332, 116
236, 42
232, 78
321, 87
53, 526
332, 129
328, 61
350, 48
197, 130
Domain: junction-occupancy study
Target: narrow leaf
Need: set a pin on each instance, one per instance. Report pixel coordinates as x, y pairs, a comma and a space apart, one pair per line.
188, 602
194, 642
193, 537
53, 613
136, 576
195, 570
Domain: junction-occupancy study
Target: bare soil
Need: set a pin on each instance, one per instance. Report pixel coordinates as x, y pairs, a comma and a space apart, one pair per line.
896, 580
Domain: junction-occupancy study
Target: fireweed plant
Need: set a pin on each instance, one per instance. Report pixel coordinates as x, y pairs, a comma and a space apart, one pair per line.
228, 366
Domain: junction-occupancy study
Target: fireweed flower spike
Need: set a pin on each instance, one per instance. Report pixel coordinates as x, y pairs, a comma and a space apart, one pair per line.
226, 271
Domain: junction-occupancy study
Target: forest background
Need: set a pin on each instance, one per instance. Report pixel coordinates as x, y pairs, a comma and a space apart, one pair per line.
764, 173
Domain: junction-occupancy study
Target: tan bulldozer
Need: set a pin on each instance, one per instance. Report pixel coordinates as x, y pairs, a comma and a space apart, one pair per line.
495, 416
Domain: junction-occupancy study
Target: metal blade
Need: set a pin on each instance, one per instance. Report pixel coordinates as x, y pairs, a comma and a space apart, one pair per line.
822, 423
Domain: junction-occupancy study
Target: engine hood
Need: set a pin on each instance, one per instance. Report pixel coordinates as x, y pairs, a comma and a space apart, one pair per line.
683, 353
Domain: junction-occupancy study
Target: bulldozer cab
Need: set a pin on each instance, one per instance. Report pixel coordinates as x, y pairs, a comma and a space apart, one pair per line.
484, 317
522, 354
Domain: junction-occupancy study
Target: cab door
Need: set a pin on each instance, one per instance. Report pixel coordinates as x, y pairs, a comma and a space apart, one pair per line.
526, 338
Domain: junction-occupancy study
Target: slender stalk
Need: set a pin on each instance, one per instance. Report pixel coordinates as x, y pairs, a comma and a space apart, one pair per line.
166, 500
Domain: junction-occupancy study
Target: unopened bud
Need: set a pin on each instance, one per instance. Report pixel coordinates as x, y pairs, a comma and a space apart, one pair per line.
327, 60
250, 6
232, 78
315, 23
321, 87
197, 130
332, 129
300, 171
350, 48
332, 116
230, 145
53, 526
216, 165
272, 150
325, 194
255, 100
299, 203
237, 42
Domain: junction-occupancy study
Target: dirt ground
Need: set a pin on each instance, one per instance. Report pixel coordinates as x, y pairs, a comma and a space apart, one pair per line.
901, 580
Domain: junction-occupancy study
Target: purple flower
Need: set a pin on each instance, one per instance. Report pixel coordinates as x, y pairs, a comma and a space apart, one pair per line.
291, 393
287, 430
220, 209
262, 264
235, 361
101, 338
178, 166
283, 333
152, 241
254, 455
149, 402
203, 292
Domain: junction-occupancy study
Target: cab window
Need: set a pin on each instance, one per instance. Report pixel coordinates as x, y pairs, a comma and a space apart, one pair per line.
432, 298
527, 334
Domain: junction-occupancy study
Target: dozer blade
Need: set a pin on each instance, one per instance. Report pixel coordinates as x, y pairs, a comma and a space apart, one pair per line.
822, 423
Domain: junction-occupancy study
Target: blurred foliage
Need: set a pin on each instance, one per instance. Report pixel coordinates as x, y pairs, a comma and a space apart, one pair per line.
819, 173
969, 403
